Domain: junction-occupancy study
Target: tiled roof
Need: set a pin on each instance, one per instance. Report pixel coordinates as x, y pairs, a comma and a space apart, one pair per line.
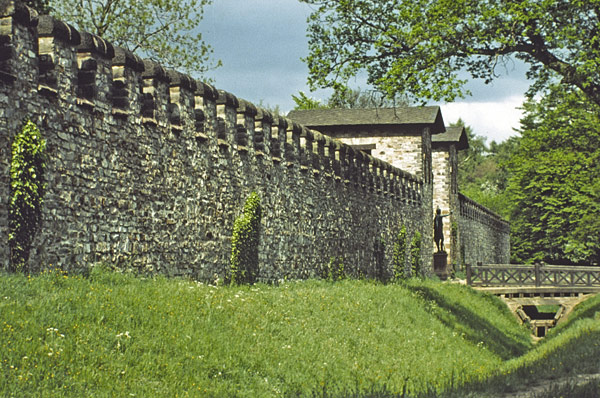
425, 115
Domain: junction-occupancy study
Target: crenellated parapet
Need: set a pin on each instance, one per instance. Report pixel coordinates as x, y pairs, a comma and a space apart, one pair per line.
477, 212
205, 111
94, 70
263, 127
84, 67
126, 72
57, 55
14, 17
151, 165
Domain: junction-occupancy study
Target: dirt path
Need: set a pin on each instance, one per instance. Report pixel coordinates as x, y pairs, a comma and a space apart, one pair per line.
543, 386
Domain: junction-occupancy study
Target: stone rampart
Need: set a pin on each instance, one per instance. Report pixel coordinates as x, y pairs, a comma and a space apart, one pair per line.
484, 235
147, 168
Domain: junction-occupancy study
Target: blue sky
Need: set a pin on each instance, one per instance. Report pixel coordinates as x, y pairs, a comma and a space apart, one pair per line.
261, 43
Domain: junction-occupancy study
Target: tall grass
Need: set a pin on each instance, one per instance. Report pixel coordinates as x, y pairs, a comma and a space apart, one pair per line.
113, 334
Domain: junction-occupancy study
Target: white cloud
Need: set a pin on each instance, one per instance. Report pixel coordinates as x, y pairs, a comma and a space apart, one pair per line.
495, 120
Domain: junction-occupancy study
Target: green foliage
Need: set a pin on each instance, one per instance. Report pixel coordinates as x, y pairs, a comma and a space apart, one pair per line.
244, 242
415, 255
165, 31
27, 190
555, 183
303, 101
114, 335
335, 269
419, 47
399, 256
483, 172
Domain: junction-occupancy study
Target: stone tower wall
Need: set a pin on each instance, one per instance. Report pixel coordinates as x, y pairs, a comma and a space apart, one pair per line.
445, 195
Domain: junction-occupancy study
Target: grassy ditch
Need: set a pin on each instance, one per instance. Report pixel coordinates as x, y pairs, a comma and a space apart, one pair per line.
569, 350
113, 334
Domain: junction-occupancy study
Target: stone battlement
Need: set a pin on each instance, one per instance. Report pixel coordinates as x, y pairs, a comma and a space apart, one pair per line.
479, 213
113, 82
149, 167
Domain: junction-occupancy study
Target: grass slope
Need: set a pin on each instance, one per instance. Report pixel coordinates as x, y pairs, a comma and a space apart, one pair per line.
112, 334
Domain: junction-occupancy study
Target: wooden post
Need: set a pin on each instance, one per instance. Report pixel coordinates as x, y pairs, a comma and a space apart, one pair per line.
538, 281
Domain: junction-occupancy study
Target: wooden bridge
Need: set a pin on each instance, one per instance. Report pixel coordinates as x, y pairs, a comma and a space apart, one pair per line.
524, 288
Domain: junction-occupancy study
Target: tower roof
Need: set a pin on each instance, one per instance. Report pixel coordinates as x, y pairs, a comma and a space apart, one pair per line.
453, 135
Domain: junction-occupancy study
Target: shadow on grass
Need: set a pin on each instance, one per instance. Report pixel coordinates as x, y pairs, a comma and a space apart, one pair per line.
474, 328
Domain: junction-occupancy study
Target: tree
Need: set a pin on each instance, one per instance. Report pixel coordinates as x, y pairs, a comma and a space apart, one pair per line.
303, 101
349, 98
161, 30
419, 47
555, 182
483, 172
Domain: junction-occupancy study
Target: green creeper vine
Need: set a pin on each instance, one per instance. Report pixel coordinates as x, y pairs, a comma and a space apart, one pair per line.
335, 269
399, 255
26, 192
415, 255
244, 242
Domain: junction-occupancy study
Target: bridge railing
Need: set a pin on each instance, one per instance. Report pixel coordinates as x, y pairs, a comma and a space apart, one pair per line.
532, 275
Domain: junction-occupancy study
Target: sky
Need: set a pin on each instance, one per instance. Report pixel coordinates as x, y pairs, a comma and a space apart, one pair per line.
261, 44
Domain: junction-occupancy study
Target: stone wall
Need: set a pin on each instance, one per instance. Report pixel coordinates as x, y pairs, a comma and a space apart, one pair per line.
445, 195
483, 235
407, 149
148, 168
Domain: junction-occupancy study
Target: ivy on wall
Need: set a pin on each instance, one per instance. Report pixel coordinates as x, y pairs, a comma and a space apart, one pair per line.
26, 192
335, 269
244, 242
399, 256
415, 255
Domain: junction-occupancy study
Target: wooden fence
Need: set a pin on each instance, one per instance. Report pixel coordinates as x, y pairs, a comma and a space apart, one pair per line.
532, 275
